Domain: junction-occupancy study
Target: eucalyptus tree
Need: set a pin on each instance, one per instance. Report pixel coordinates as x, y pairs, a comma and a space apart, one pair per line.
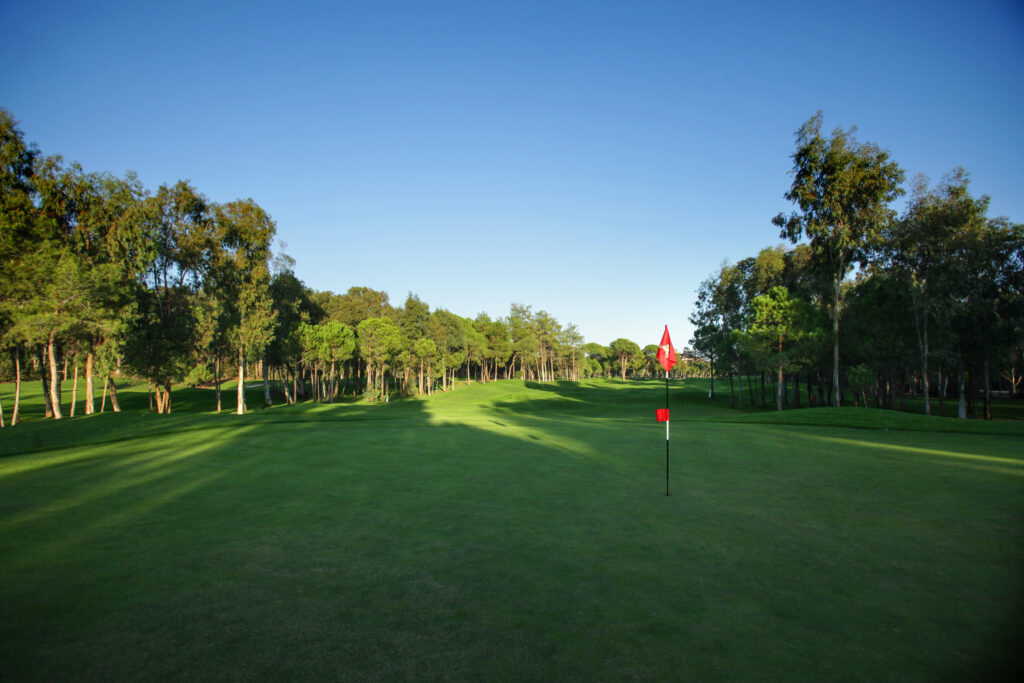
244, 232
922, 247
777, 322
294, 306
176, 226
19, 237
842, 189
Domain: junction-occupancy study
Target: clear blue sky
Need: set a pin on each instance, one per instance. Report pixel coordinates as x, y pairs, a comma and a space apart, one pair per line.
595, 160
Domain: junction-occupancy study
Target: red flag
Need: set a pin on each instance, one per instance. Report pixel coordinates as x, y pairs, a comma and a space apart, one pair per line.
661, 414
666, 352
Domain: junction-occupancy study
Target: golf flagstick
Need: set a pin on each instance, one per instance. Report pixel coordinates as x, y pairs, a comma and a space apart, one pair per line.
667, 358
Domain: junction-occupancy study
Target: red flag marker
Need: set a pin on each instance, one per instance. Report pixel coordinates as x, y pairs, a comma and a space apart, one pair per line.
666, 352
667, 358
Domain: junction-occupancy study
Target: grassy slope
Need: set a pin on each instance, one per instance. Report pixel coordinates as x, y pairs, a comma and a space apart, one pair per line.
508, 531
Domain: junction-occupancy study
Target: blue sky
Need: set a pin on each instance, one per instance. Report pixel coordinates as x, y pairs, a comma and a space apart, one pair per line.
595, 160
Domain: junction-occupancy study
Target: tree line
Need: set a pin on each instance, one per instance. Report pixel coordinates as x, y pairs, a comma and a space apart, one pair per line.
103, 278
934, 307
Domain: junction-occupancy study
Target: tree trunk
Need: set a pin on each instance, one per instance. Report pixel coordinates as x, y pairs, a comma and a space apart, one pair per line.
240, 403
103, 401
47, 401
74, 392
51, 351
90, 392
778, 393
419, 381
17, 386
942, 395
167, 397
216, 380
924, 367
961, 408
988, 393
835, 337
115, 405
266, 383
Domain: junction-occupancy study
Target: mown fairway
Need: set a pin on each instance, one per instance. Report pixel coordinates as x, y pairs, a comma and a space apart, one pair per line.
509, 531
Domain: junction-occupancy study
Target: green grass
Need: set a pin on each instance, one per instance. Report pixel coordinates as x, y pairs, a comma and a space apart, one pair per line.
509, 531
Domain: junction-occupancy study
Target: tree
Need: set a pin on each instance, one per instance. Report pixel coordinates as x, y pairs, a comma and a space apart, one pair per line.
922, 246
245, 232
625, 351
380, 341
777, 323
424, 351
843, 189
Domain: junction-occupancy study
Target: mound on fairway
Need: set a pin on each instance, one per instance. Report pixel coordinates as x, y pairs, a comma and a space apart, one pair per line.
507, 531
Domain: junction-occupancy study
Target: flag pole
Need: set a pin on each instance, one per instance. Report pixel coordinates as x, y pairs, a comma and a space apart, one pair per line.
666, 436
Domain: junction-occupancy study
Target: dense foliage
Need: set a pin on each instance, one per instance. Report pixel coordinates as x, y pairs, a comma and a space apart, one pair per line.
935, 310
102, 277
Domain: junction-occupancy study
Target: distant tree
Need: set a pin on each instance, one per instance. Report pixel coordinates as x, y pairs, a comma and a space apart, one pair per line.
424, 352
921, 248
245, 232
777, 322
625, 351
843, 189
380, 340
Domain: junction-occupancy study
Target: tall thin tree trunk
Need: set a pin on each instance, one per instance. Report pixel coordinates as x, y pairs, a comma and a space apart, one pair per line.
266, 383
17, 386
114, 403
103, 401
240, 409
167, 397
47, 400
988, 392
51, 351
961, 408
924, 366
711, 391
942, 394
778, 393
74, 391
90, 392
835, 339
216, 380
